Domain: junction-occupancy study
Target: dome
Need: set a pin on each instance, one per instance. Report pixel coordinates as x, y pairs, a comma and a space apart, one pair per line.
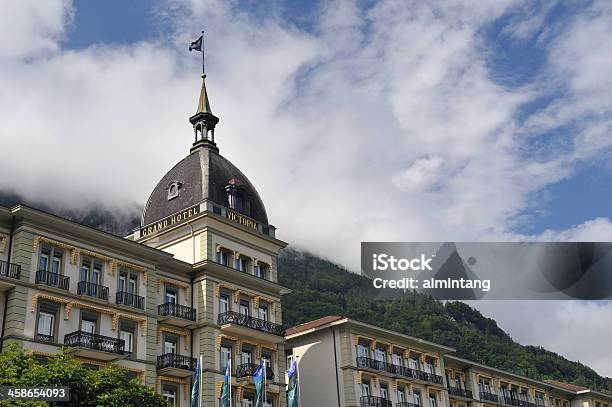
204, 174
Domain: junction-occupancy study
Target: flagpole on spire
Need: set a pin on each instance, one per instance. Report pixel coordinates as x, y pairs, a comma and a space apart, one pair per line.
203, 70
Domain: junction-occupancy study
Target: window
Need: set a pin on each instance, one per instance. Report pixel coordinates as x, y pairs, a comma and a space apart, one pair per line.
169, 394
432, 400
396, 359
428, 367
89, 323
484, 385
261, 270
539, 398
91, 271
266, 359
245, 356
170, 344
401, 395
128, 286
126, 333
365, 389
225, 354
417, 398
363, 351
413, 363
379, 354
50, 260
223, 303
174, 189
384, 391
242, 263
263, 312
171, 295
223, 257
45, 330
244, 307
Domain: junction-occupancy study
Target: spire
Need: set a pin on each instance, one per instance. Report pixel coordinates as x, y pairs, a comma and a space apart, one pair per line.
203, 120
203, 103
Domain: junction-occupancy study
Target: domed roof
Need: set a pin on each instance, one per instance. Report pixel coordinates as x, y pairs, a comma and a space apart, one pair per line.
203, 174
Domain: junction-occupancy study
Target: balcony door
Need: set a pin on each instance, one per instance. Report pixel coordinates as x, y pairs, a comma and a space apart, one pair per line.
417, 399
396, 359
365, 389
223, 304
169, 345
379, 355
413, 364
401, 396
384, 392
171, 295
88, 325
244, 308
245, 357
362, 351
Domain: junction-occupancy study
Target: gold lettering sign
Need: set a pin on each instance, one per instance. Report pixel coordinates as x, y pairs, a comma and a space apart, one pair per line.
169, 221
243, 220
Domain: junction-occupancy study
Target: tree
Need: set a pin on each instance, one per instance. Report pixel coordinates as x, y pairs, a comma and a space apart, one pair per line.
107, 387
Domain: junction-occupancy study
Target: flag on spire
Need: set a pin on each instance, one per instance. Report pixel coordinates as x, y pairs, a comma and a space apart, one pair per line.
196, 45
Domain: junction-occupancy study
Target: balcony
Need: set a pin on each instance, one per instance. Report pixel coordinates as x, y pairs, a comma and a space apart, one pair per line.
92, 290
382, 366
85, 344
511, 401
131, 300
176, 314
373, 401
459, 392
248, 369
234, 322
485, 396
406, 404
10, 270
52, 279
171, 364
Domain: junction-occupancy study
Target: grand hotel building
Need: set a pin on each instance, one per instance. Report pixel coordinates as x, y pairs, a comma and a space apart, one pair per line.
199, 276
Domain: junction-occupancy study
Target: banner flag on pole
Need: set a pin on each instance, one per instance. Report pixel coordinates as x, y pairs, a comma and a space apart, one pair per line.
259, 377
226, 397
195, 390
293, 390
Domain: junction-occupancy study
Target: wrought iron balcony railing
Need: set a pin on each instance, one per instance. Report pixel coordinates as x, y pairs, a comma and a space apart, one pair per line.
373, 401
10, 269
132, 300
52, 279
172, 360
92, 290
96, 342
248, 369
406, 404
457, 391
43, 337
262, 325
398, 370
171, 309
486, 396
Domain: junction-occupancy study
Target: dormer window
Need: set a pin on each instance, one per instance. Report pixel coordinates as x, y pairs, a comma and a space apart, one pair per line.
174, 189
236, 198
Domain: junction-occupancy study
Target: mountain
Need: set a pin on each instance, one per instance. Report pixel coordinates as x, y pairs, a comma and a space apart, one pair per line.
322, 288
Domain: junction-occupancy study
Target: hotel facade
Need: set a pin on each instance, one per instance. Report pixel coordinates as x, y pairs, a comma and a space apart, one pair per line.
347, 363
198, 277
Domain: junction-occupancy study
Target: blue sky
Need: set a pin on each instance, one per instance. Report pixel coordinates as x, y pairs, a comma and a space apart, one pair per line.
386, 120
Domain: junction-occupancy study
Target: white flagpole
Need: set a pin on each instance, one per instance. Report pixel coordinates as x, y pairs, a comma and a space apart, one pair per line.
265, 398
229, 381
200, 392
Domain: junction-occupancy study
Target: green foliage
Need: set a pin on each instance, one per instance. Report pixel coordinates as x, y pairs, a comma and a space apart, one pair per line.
108, 387
321, 288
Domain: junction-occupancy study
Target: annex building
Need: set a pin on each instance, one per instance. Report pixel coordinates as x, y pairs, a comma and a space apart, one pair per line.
198, 276
347, 363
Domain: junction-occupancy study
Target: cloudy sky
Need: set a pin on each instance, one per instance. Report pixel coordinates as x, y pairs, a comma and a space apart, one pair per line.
356, 120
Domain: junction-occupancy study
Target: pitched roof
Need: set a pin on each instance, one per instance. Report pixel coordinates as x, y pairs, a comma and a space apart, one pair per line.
313, 324
567, 386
